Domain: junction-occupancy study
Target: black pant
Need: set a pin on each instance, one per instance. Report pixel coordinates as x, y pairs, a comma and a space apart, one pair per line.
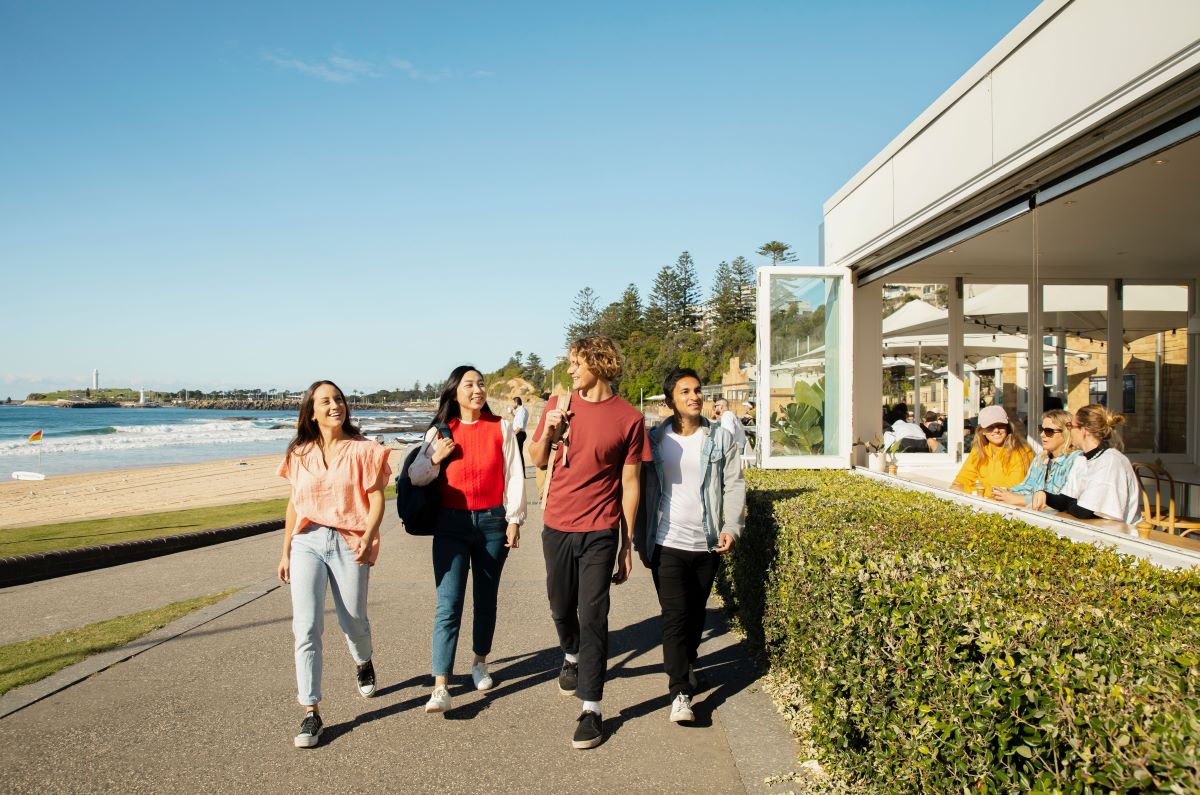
579, 568
683, 580
521, 450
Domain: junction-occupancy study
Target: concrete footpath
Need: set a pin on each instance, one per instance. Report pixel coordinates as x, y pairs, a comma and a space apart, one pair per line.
213, 709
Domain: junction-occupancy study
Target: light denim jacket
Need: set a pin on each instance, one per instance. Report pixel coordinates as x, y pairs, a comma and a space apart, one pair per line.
1039, 479
722, 491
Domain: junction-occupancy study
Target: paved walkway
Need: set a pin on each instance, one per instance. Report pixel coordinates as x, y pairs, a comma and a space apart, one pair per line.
214, 709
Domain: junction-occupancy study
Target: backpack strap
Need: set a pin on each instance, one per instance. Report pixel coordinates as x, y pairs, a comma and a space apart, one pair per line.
563, 404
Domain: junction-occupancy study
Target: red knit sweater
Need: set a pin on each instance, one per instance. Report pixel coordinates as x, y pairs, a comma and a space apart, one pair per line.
475, 472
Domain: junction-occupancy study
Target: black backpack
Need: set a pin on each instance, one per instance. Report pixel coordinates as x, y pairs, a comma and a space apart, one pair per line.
418, 505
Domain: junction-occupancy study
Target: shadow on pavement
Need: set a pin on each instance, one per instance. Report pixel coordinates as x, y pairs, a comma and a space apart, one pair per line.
727, 671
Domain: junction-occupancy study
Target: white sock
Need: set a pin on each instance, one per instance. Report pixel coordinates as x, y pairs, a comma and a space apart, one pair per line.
591, 706
571, 658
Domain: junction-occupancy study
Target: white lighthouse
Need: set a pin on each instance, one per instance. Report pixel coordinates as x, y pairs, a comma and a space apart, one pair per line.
95, 380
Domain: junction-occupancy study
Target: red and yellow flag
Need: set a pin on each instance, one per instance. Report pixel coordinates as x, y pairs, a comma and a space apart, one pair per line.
36, 436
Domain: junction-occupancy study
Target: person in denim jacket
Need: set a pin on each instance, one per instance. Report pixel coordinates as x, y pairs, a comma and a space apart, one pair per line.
1049, 471
692, 511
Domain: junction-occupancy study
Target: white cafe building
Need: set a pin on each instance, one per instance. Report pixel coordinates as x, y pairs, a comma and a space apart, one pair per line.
1051, 196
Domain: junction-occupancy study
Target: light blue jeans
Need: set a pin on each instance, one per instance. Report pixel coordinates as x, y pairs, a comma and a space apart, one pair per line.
320, 556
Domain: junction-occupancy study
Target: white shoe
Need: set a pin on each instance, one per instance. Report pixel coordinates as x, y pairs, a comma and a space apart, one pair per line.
439, 701
681, 709
481, 677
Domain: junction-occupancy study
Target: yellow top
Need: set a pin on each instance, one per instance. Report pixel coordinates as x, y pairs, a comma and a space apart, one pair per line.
1005, 469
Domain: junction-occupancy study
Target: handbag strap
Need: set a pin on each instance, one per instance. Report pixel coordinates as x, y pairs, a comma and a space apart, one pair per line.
563, 404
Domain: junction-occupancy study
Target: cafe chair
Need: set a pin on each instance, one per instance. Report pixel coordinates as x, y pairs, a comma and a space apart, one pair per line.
1157, 517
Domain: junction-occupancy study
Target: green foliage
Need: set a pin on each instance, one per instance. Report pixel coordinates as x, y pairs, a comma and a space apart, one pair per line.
93, 532
585, 317
777, 251
799, 427
29, 661
944, 650
665, 331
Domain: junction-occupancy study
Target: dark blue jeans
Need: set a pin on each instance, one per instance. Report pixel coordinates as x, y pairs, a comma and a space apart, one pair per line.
466, 540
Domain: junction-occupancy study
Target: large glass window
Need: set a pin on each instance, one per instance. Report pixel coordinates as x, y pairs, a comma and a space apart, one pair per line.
806, 406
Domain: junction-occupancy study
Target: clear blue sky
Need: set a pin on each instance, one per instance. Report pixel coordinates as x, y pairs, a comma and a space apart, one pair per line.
226, 194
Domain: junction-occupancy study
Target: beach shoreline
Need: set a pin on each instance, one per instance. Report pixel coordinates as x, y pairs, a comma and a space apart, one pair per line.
129, 492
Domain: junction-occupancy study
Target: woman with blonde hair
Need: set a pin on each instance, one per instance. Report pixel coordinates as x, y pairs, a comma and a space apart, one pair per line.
1049, 470
1102, 483
999, 456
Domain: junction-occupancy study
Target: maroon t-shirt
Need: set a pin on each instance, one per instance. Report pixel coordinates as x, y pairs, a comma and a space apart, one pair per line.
585, 494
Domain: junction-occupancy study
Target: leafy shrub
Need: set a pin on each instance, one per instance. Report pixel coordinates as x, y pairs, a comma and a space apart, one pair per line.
945, 650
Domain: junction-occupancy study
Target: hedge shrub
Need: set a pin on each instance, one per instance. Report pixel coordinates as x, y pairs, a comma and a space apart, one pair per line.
945, 650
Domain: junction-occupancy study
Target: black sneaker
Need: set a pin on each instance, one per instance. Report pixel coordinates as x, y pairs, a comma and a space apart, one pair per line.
590, 731
310, 731
568, 678
366, 679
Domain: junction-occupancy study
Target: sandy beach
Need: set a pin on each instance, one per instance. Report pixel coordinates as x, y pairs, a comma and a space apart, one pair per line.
96, 495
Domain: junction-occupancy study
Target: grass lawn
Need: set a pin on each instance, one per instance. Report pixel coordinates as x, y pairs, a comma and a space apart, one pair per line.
93, 532
30, 660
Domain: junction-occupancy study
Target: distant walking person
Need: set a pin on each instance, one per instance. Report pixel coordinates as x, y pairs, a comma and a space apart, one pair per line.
330, 537
594, 450
520, 419
730, 423
692, 511
482, 507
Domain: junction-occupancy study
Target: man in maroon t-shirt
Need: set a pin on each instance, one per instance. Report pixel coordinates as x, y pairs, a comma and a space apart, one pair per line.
593, 498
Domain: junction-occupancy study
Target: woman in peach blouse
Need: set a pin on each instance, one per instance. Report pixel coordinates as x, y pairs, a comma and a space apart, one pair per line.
330, 538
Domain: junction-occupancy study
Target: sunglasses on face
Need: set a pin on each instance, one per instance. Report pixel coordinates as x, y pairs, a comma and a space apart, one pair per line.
1050, 431
1000, 426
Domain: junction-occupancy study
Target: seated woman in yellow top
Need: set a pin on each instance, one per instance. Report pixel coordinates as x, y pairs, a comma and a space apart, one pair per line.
999, 457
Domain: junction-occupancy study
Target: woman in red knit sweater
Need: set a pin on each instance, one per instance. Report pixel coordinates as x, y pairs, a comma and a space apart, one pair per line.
482, 507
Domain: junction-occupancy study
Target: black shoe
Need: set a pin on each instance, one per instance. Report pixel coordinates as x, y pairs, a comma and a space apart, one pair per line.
568, 678
697, 681
366, 679
590, 731
310, 731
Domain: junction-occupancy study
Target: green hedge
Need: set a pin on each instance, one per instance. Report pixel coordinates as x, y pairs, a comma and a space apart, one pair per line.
945, 650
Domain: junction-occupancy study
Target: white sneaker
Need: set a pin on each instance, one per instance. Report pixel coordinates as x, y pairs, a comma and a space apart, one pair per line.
681, 709
481, 677
439, 701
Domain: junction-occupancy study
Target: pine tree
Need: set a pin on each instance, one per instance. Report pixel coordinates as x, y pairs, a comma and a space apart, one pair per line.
687, 294
725, 300
777, 251
621, 319
535, 371
584, 315
660, 309
743, 275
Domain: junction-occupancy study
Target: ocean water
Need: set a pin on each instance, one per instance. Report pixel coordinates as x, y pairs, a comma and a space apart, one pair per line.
96, 440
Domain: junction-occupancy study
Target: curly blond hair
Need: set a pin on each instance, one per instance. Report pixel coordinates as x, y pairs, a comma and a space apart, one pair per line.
599, 353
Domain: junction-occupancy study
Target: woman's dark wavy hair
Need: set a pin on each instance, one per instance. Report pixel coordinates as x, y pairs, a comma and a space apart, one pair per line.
673, 378
448, 402
307, 431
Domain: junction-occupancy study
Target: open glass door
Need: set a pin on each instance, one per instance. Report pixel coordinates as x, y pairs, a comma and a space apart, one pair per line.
804, 388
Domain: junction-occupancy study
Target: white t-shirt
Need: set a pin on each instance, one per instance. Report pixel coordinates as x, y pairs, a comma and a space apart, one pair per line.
1106, 486
907, 430
681, 522
731, 423
520, 419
